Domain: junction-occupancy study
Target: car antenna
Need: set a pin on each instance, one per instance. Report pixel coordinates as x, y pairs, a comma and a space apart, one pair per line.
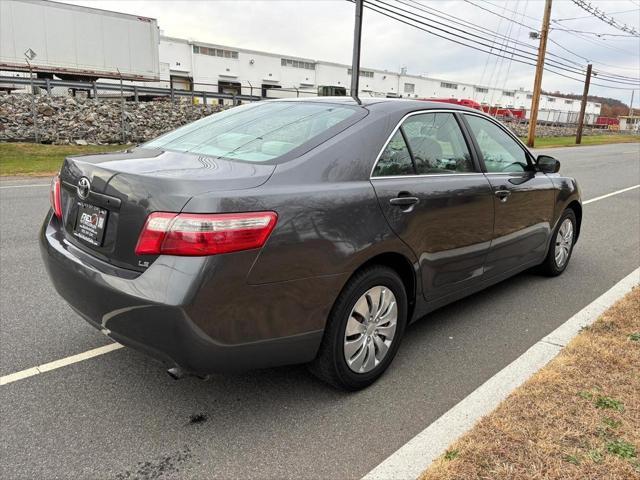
355, 63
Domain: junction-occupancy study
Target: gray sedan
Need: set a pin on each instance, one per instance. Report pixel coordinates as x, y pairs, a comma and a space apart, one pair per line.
302, 231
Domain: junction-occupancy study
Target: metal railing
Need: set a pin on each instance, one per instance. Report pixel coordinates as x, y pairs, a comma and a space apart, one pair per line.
132, 90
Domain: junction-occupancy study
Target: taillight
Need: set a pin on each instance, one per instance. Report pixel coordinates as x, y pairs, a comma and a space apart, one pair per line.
194, 234
55, 196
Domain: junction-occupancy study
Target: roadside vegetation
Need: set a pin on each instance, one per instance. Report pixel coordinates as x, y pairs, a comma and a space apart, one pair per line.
579, 417
570, 141
33, 159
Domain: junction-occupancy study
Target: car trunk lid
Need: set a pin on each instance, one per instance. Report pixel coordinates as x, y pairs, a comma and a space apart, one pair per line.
126, 187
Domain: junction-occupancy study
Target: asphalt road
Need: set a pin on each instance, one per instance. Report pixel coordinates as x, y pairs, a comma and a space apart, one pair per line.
120, 416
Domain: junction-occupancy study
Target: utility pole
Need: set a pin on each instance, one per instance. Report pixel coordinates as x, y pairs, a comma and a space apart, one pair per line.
583, 105
631, 104
355, 62
537, 83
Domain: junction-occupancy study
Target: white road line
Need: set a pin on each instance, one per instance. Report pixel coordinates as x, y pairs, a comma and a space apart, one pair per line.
586, 202
30, 185
29, 372
63, 362
415, 456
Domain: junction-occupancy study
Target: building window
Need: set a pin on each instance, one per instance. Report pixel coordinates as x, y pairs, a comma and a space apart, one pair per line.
409, 87
288, 62
482, 90
551, 100
508, 94
597, 105
569, 102
529, 96
453, 86
363, 73
215, 52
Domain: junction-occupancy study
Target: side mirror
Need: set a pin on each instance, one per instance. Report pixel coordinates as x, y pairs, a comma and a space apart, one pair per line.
547, 164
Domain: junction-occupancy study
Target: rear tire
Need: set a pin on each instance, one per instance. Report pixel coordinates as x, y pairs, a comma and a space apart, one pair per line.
363, 331
561, 248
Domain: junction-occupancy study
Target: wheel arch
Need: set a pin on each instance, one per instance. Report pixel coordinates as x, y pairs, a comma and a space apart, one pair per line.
577, 210
405, 270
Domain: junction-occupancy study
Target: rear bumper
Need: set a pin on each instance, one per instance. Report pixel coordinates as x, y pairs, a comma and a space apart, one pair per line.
197, 313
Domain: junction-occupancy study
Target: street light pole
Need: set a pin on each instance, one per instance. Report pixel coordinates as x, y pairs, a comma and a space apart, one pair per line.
355, 62
537, 83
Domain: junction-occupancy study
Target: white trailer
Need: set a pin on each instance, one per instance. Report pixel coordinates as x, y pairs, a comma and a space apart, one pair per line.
74, 42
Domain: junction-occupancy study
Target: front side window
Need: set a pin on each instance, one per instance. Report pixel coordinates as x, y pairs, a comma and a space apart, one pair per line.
500, 152
437, 144
257, 132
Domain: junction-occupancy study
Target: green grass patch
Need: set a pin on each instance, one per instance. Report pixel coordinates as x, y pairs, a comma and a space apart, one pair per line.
451, 454
608, 402
546, 142
37, 159
622, 449
572, 459
586, 395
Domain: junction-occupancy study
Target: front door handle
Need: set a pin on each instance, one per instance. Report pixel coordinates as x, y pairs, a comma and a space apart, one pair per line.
503, 195
404, 201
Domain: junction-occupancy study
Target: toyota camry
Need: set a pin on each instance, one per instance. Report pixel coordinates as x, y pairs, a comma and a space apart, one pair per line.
302, 231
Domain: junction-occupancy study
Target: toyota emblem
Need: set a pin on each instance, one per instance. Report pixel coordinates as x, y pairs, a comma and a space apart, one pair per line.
84, 187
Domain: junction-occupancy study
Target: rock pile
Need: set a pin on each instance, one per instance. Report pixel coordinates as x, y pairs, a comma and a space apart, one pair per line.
62, 120
82, 120
522, 130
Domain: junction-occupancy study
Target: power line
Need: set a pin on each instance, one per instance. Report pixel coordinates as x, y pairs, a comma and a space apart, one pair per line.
465, 35
587, 59
589, 16
594, 33
503, 51
529, 26
466, 25
599, 14
595, 42
568, 31
518, 57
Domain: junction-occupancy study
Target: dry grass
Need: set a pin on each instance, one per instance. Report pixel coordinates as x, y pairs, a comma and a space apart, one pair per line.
578, 418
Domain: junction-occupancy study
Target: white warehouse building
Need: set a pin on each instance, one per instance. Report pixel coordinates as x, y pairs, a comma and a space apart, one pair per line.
188, 64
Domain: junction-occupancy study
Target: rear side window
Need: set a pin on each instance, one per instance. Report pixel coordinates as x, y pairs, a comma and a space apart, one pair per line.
395, 159
437, 144
426, 144
258, 132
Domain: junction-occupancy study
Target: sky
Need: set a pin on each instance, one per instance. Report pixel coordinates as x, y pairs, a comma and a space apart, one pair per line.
323, 30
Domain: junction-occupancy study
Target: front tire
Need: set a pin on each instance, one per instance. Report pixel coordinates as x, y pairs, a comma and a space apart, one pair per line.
561, 248
364, 330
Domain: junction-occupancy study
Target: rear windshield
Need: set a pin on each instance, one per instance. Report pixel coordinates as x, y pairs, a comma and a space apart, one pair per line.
258, 132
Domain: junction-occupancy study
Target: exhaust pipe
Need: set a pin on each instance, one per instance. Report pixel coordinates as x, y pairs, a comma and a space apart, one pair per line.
178, 373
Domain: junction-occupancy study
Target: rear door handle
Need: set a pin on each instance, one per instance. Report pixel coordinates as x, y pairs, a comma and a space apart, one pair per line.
404, 201
503, 195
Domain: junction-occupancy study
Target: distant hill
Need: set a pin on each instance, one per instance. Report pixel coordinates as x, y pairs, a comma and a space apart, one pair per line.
611, 107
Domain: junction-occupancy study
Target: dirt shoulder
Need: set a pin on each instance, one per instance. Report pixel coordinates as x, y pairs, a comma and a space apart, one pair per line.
577, 418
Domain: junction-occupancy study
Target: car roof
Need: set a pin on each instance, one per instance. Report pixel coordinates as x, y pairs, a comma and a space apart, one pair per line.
389, 105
